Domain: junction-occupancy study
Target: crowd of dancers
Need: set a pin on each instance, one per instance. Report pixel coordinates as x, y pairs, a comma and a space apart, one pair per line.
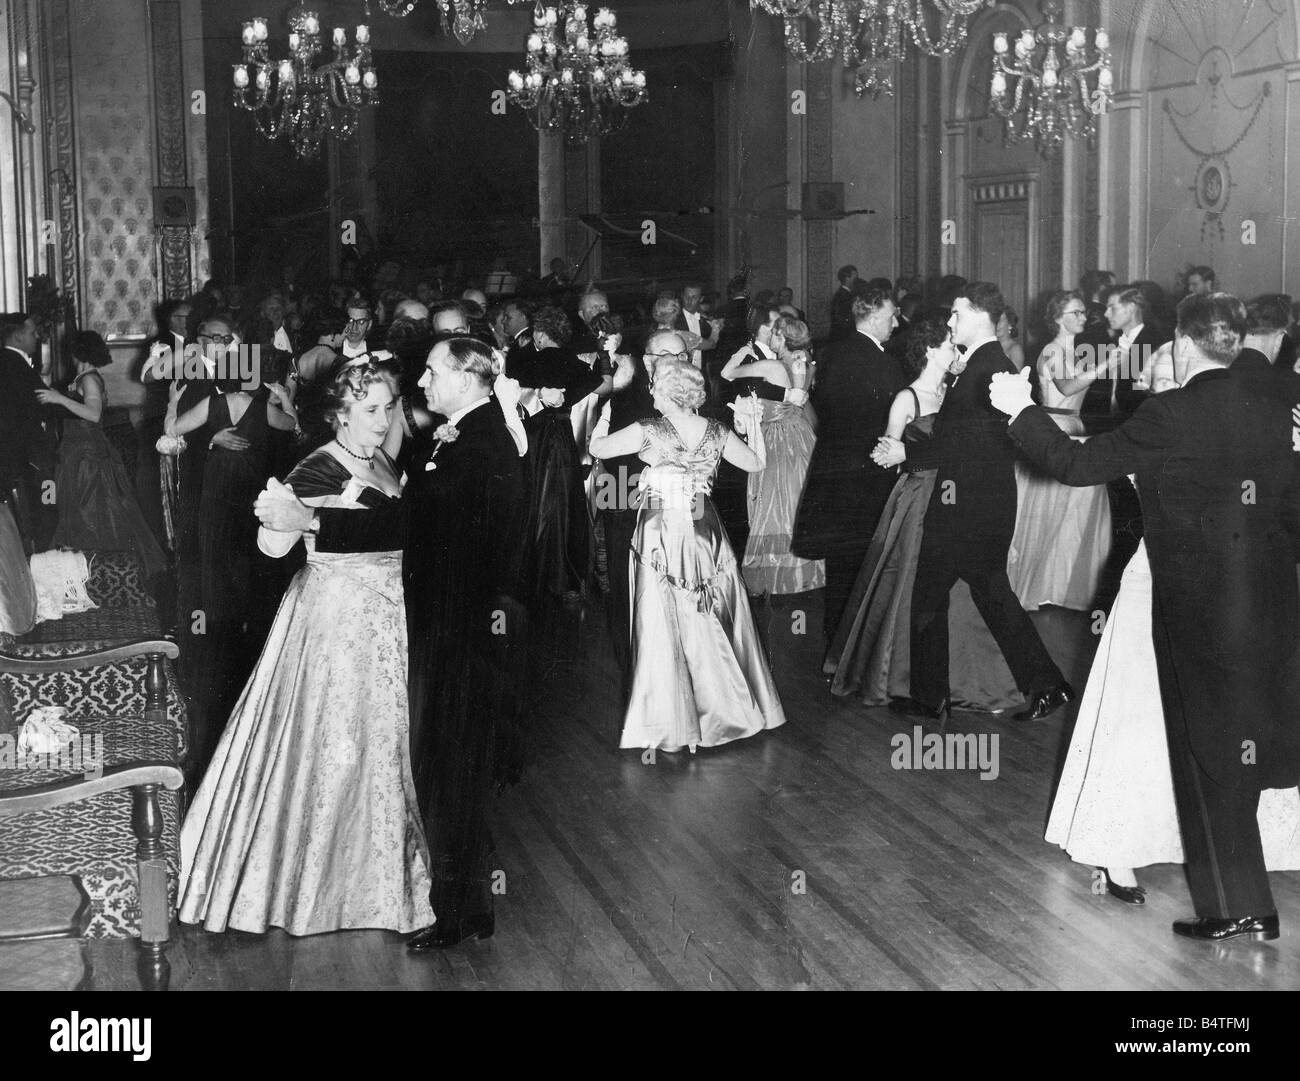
375, 536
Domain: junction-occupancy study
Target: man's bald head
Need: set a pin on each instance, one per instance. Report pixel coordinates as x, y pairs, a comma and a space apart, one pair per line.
410, 309
592, 304
664, 346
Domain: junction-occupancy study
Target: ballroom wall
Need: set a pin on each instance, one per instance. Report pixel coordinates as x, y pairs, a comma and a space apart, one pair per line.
1204, 146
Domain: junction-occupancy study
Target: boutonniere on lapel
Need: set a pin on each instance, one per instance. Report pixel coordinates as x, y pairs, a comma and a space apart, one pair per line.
444, 433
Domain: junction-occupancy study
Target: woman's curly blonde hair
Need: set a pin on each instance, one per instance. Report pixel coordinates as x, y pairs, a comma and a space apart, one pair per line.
680, 383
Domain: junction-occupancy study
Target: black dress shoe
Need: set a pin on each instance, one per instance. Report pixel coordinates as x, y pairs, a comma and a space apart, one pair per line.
1047, 702
443, 936
1130, 895
912, 708
1217, 929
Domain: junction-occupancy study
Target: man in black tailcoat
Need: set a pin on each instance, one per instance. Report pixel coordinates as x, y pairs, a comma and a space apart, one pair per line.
969, 524
1219, 477
460, 521
28, 443
842, 317
845, 490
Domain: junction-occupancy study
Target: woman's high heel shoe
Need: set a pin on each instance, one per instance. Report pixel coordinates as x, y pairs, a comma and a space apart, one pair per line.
1130, 895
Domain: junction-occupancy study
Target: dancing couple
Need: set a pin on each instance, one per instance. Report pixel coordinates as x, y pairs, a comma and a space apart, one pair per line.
386, 697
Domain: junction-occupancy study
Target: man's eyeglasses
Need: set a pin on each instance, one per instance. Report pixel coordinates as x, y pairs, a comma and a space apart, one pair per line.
220, 339
359, 322
666, 356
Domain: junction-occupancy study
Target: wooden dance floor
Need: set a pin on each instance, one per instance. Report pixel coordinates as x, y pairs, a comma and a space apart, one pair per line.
799, 859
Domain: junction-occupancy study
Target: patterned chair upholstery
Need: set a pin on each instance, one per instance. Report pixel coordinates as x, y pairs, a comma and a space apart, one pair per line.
126, 610
119, 833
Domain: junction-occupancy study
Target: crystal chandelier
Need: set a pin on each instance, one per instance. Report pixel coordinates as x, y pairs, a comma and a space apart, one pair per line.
871, 35
299, 98
578, 80
1052, 97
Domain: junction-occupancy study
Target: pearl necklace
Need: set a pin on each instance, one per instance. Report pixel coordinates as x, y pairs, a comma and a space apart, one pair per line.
359, 457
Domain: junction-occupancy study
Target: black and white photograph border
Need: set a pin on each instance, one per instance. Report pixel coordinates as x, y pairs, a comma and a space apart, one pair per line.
666, 495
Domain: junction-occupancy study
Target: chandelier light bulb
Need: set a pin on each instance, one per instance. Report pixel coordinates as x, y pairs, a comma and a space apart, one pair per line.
249, 35
369, 80
352, 75
584, 46
310, 24
534, 43
1078, 38
263, 79
639, 79
566, 76
999, 84
293, 40
1000, 44
598, 76
1027, 36
259, 29
1049, 78
363, 34
340, 38
552, 17
1102, 39
516, 81
1105, 79
241, 76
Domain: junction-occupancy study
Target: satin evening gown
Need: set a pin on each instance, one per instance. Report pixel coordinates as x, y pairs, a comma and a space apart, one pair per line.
1115, 804
699, 677
98, 510
1063, 533
307, 818
768, 565
870, 653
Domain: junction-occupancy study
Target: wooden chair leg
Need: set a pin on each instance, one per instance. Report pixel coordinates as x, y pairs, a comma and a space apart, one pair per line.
151, 872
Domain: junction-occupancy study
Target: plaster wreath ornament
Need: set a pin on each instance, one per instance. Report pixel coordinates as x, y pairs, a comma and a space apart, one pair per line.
444, 433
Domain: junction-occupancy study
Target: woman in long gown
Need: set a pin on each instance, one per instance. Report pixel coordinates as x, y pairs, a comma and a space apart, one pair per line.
1063, 533
562, 553
698, 673
96, 498
1114, 806
307, 818
870, 653
768, 565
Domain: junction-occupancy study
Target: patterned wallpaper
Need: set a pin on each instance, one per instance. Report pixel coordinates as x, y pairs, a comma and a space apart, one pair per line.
115, 149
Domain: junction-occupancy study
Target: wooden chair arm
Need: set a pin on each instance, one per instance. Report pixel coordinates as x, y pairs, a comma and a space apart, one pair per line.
19, 665
40, 797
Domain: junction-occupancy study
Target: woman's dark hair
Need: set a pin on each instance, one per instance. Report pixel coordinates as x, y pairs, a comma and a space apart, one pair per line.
922, 336
1013, 322
1056, 305
89, 348
603, 324
552, 322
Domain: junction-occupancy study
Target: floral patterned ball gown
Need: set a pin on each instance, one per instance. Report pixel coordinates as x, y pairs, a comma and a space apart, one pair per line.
307, 818
699, 675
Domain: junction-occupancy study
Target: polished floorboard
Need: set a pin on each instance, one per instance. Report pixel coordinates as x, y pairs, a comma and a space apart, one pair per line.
799, 859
